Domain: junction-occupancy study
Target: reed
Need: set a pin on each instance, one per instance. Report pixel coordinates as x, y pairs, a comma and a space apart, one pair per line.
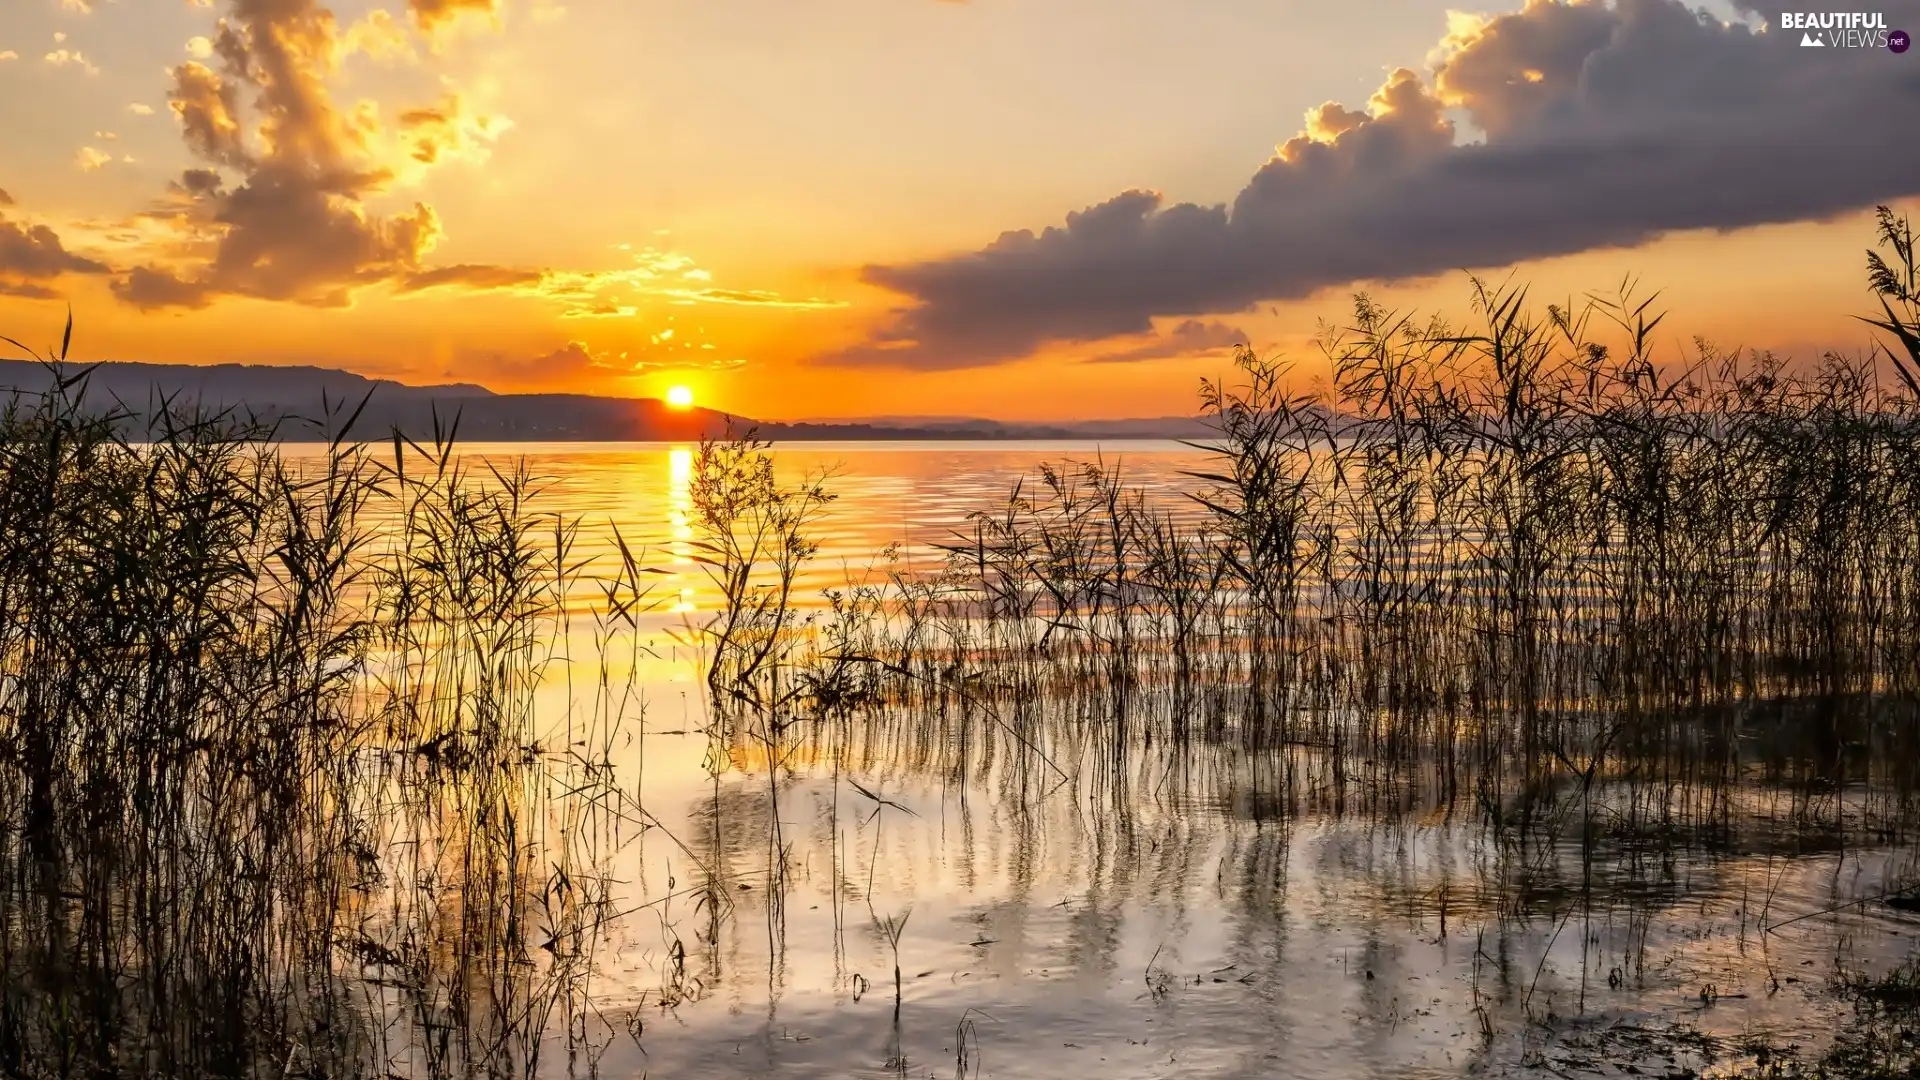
1523, 565
274, 800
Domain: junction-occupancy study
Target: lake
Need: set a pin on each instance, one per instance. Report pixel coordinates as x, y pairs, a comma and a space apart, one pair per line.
912, 494
1143, 906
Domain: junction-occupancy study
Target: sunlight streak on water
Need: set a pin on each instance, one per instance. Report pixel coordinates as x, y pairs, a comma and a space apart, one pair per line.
680, 522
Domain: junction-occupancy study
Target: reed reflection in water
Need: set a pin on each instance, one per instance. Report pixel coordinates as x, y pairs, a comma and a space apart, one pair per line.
1174, 911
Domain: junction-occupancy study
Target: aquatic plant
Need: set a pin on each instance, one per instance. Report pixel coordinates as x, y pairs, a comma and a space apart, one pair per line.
273, 797
1526, 555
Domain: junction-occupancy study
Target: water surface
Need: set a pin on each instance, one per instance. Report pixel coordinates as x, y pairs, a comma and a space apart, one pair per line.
913, 495
1147, 910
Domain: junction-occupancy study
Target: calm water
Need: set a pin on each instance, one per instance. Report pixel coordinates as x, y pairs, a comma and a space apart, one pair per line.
911, 494
1153, 916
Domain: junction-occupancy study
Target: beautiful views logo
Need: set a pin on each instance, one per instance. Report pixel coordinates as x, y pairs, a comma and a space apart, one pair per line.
1844, 30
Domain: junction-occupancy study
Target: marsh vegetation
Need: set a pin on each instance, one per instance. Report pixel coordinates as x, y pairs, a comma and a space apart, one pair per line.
1540, 628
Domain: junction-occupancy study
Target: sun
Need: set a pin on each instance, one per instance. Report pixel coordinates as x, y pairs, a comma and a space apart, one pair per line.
680, 397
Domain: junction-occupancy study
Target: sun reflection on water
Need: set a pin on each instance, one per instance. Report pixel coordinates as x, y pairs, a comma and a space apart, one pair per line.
680, 524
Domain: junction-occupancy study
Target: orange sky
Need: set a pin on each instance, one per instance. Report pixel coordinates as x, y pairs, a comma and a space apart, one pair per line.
615, 197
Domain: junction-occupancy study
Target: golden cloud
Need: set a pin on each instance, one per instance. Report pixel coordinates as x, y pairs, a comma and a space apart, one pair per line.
469, 276
279, 212
71, 58
209, 115
434, 14
449, 132
668, 276
378, 35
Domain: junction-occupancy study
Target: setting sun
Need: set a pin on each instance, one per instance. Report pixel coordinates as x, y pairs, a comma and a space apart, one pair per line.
680, 397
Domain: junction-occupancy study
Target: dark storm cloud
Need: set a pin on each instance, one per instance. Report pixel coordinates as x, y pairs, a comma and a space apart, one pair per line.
1604, 126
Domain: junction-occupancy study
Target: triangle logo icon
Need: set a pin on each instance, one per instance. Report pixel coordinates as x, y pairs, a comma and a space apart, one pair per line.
1809, 41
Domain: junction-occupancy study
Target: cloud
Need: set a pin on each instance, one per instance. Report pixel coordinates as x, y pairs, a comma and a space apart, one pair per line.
32, 255
280, 209
148, 288
470, 276
138, 109
378, 35
9, 54
602, 311
71, 58
669, 348
1191, 337
209, 115
576, 363
199, 183
199, 48
448, 131
35, 251
433, 14
669, 277
563, 364
1605, 126
705, 364
746, 298
90, 159
84, 7
562, 368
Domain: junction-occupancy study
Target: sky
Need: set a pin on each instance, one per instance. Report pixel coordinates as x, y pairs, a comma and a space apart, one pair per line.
1022, 209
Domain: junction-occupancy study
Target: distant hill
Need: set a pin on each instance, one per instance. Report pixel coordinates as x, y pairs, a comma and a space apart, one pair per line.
299, 399
228, 383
